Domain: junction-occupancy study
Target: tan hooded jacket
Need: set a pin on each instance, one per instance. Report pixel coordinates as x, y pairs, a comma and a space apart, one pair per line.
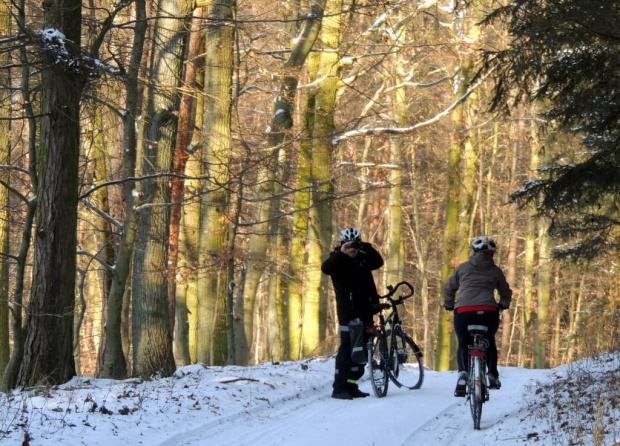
477, 279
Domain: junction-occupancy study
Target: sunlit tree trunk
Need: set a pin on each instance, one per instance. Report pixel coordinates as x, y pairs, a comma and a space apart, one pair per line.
526, 346
48, 352
298, 253
112, 354
9, 378
469, 160
181, 155
544, 296
96, 265
395, 256
574, 309
421, 250
271, 174
443, 352
152, 330
453, 246
542, 273
5, 160
518, 148
320, 218
215, 227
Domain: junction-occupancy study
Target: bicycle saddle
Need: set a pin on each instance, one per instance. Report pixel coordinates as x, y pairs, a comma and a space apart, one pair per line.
477, 329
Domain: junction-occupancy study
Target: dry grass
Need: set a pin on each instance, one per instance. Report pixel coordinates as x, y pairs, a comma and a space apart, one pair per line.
581, 404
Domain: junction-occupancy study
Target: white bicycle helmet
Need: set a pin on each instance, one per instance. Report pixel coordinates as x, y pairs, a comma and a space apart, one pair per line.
484, 242
350, 235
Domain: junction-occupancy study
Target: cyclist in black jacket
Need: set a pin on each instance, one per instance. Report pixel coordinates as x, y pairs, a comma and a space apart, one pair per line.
350, 266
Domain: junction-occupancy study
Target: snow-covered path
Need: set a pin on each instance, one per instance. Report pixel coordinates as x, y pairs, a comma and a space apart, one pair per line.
289, 404
428, 416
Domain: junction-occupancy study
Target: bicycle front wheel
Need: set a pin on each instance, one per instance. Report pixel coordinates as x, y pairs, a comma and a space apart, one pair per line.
406, 361
377, 352
476, 389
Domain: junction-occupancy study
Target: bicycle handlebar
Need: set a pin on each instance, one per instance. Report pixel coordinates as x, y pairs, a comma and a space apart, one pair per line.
392, 290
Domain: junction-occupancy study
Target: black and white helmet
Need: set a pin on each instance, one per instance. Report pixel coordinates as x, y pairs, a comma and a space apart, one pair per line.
350, 235
484, 242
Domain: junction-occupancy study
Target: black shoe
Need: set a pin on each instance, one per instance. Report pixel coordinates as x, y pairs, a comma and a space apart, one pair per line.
494, 383
342, 395
357, 393
461, 385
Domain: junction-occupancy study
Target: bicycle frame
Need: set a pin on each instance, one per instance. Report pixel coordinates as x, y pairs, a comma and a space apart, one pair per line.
386, 357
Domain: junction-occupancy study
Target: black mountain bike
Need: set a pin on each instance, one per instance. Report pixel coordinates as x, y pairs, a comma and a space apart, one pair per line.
392, 354
477, 389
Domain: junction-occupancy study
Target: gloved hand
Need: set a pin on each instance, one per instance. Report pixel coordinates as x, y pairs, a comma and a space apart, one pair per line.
503, 307
378, 307
448, 307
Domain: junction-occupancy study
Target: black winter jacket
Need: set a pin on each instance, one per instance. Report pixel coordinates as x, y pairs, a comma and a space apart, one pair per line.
353, 282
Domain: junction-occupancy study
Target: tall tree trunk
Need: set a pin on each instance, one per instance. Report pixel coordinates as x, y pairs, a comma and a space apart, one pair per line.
452, 245
422, 256
544, 296
526, 347
443, 352
112, 354
320, 218
187, 290
5, 160
270, 175
575, 320
48, 356
396, 250
303, 197
518, 148
10, 376
152, 331
90, 322
181, 155
215, 228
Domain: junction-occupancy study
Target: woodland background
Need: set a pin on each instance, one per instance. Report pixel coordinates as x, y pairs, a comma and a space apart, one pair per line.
174, 172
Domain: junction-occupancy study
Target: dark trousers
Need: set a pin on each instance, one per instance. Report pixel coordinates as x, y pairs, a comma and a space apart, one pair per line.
487, 318
345, 368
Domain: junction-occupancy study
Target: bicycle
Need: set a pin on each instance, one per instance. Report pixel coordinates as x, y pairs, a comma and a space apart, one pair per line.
477, 390
392, 354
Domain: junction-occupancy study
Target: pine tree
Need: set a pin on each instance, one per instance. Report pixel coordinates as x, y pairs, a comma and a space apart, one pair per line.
566, 55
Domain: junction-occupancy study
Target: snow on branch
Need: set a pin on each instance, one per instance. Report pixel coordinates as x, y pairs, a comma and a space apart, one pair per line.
64, 54
410, 129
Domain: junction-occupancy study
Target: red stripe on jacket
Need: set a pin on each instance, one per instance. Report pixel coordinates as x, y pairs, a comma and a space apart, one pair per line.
469, 308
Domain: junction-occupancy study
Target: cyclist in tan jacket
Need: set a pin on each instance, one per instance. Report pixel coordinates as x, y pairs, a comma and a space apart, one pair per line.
476, 280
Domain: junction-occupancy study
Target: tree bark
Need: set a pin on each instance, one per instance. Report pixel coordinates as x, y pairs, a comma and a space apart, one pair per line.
152, 331
270, 176
112, 354
181, 155
48, 355
320, 218
215, 228
5, 181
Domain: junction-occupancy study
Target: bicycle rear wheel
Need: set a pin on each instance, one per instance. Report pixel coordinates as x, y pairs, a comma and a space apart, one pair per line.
377, 351
406, 361
476, 389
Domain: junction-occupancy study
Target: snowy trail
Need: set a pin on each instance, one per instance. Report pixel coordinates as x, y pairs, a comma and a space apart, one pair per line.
428, 416
282, 404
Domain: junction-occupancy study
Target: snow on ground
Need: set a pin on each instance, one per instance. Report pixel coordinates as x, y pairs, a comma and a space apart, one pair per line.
289, 404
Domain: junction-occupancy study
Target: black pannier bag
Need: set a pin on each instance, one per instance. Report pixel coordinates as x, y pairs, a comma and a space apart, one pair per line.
358, 346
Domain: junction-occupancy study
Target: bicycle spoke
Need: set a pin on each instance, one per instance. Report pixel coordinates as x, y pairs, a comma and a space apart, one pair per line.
378, 365
476, 386
406, 361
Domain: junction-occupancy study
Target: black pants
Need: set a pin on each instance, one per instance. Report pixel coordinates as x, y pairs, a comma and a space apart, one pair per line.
345, 368
487, 318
